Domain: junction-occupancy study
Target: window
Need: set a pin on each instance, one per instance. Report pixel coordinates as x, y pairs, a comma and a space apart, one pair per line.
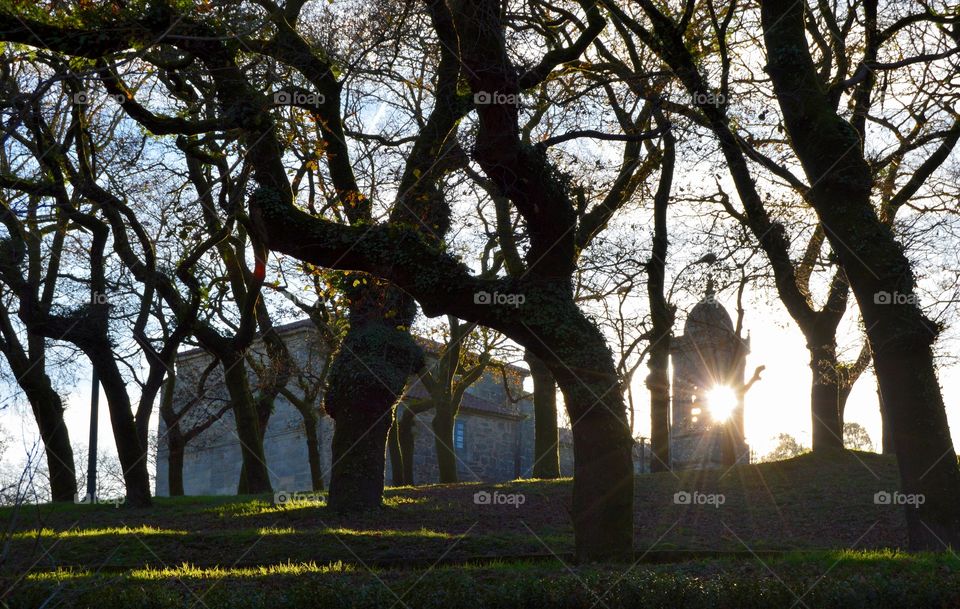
458, 434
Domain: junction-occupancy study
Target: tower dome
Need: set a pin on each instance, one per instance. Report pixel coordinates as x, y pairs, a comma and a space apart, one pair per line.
708, 316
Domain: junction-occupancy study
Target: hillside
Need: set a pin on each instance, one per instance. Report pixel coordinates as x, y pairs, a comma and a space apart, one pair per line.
809, 503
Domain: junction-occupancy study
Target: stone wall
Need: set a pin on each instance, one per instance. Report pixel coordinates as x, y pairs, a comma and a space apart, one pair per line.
494, 449
212, 463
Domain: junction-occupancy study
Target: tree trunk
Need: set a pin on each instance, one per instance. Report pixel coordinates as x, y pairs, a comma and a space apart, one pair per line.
603, 474
367, 377
842, 404
264, 409
825, 399
397, 456
359, 441
443, 424
886, 441
661, 315
255, 477
48, 411
176, 450
131, 453
310, 421
921, 437
176, 442
546, 442
658, 383
407, 441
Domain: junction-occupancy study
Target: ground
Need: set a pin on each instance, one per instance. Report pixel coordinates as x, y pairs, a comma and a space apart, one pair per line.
803, 532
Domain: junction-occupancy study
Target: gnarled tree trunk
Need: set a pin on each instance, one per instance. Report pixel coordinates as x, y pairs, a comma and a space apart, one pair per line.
367, 377
263, 405
48, 411
131, 452
603, 479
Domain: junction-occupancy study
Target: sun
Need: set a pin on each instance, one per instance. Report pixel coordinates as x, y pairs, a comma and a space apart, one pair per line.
721, 401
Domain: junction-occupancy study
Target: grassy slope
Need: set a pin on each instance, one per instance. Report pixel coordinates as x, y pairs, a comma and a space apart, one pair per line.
806, 503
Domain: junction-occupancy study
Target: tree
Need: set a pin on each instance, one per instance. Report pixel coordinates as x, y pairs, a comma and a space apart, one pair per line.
662, 315
27, 362
549, 322
855, 437
792, 280
830, 148
229, 339
787, 448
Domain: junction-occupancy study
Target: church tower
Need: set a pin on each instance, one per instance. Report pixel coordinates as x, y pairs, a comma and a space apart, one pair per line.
708, 379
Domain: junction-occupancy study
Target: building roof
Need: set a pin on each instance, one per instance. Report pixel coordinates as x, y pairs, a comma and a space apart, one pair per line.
470, 402
429, 345
708, 316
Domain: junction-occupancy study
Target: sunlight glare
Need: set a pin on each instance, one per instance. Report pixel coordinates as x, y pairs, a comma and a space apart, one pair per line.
722, 401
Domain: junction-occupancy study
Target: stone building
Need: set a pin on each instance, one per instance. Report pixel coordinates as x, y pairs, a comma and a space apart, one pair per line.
493, 436
709, 355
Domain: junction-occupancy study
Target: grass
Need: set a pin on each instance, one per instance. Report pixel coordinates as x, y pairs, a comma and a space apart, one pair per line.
781, 529
144, 531
820, 579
